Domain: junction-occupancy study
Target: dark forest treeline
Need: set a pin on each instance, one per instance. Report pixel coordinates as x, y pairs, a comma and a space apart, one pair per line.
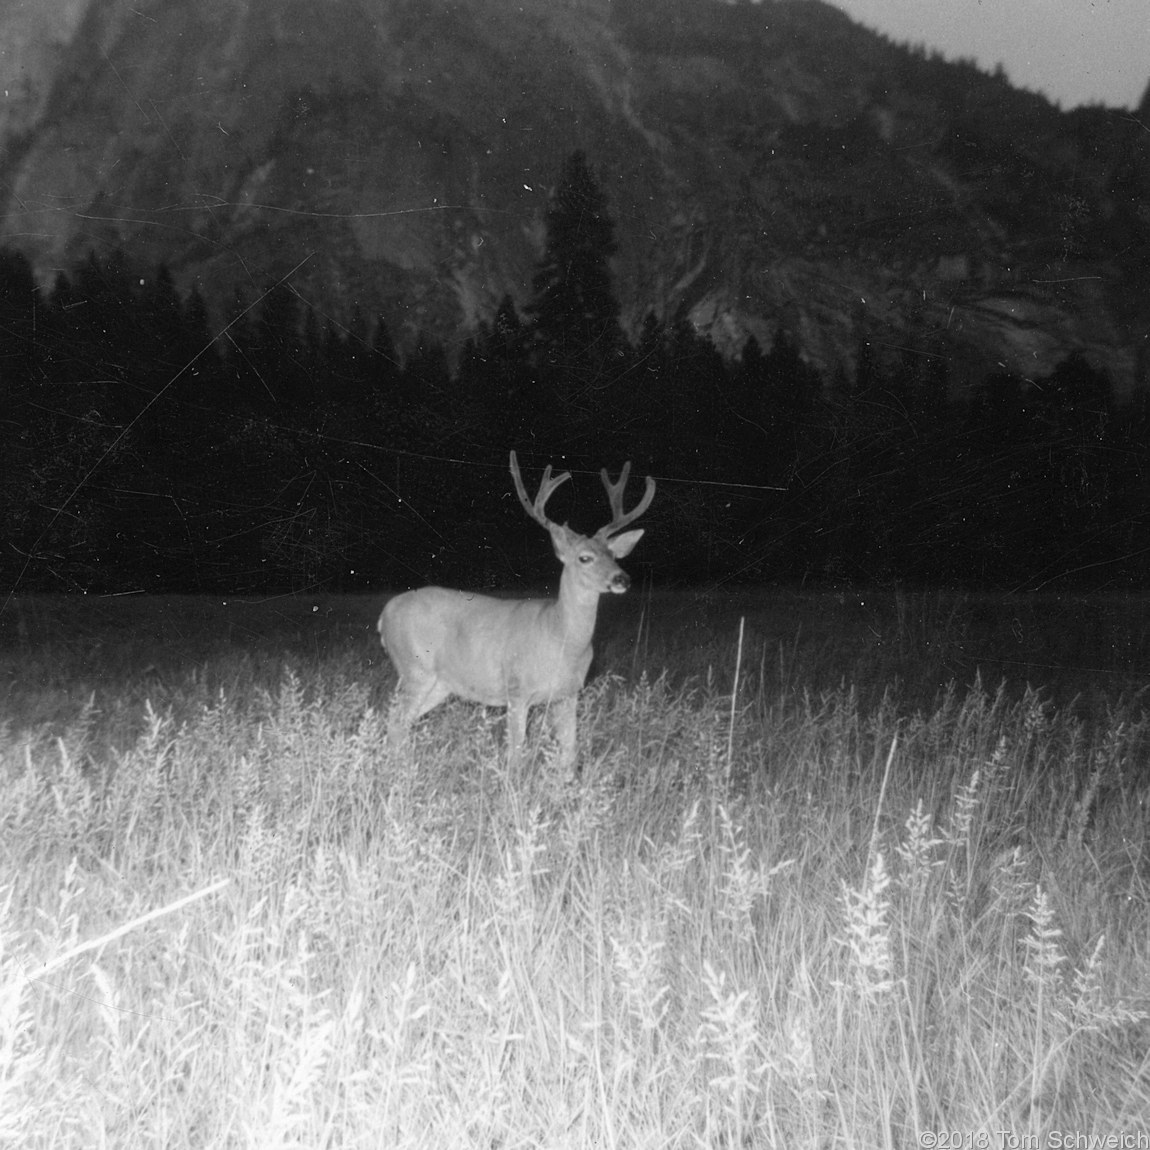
141, 448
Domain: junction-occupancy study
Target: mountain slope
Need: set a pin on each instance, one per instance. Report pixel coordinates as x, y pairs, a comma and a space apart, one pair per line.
766, 164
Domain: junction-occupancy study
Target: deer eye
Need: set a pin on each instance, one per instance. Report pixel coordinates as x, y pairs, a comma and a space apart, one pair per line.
586, 557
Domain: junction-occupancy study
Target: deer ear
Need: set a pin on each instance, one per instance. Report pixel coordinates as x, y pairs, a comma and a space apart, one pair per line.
622, 545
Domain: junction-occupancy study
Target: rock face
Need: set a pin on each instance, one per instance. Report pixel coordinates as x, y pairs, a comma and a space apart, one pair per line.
766, 164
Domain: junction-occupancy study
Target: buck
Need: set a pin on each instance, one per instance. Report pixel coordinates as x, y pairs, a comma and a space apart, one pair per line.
512, 653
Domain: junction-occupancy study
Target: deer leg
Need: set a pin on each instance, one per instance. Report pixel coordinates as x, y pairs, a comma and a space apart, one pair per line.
561, 715
516, 731
413, 697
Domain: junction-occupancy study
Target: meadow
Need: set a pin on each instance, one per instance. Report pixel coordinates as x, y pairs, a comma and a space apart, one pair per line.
861, 870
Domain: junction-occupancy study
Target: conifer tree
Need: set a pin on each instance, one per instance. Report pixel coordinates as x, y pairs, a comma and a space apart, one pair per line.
494, 370
576, 334
23, 320
278, 348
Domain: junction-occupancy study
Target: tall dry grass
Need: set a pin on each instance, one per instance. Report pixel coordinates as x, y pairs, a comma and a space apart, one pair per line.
805, 912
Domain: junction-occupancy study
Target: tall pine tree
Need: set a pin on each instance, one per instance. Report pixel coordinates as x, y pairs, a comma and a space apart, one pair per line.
577, 339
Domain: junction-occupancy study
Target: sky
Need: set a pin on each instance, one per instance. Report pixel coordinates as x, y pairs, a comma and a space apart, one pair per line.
1075, 51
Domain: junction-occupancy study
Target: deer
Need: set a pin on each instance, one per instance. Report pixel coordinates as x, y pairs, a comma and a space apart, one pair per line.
512, 653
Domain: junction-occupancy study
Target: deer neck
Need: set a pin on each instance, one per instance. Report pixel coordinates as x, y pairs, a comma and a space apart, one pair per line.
573, 613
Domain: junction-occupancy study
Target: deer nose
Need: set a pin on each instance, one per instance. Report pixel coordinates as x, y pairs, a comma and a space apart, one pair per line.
620, 581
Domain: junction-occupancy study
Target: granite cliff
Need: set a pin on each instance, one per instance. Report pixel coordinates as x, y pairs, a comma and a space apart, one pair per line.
765, 164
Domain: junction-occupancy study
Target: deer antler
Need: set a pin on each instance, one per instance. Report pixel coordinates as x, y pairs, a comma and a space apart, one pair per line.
619, 517
546, 489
